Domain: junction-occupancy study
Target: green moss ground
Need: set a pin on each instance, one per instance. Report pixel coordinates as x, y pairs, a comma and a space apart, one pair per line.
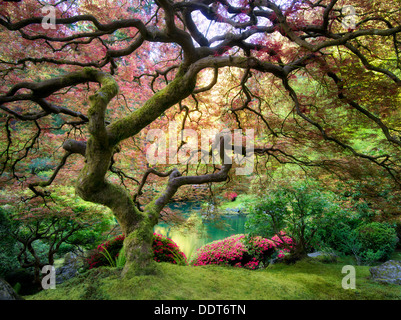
242, 202
307, 280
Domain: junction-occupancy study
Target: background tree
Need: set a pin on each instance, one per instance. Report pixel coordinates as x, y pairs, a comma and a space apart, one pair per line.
108, 72
43, 232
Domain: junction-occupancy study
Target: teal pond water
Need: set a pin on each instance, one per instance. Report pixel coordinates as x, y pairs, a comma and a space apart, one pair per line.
206, 229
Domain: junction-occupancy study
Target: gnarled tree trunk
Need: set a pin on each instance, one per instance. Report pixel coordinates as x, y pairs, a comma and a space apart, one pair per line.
92, 185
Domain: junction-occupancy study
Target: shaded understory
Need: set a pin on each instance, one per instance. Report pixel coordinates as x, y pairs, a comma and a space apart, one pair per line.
307, 279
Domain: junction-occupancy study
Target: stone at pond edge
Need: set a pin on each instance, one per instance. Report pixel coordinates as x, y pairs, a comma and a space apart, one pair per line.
388, 272
69, 269
233, 211
7, 292
323, 255
319, 254
70, 258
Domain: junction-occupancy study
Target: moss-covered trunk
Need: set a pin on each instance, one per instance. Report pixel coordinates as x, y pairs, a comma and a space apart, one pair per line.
138, 248
92, 184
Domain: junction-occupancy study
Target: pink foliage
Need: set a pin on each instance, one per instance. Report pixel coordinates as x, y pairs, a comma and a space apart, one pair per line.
240, 251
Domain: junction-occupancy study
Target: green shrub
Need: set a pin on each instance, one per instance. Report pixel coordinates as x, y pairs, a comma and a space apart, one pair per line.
368, 242
23, 280
267, 215
398, 230
41, 164
336, 230
377, 240
296, 209
8, 245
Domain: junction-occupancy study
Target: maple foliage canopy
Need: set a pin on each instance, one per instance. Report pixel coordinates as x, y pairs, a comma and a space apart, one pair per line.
305, 75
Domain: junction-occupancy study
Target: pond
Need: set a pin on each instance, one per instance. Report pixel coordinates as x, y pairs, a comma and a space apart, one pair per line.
203, 230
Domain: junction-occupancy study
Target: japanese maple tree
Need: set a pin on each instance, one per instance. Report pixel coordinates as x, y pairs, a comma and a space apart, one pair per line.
107, 71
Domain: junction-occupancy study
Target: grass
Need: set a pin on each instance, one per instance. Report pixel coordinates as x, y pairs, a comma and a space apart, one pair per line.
242, 202
308, 279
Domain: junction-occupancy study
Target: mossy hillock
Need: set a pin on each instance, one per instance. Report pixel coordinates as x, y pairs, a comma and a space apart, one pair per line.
305, 280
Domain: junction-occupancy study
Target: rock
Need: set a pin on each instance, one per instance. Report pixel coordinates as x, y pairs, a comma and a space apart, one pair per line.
69, 269
321, 254
7, 292
24, 279
64, 273
314, 254
233, 211
69, 258
388, 272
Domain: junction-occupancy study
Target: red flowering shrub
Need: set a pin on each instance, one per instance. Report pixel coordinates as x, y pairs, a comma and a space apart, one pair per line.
113, 247
231, 196
282, 243
227, 251
242, 251
164, 249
